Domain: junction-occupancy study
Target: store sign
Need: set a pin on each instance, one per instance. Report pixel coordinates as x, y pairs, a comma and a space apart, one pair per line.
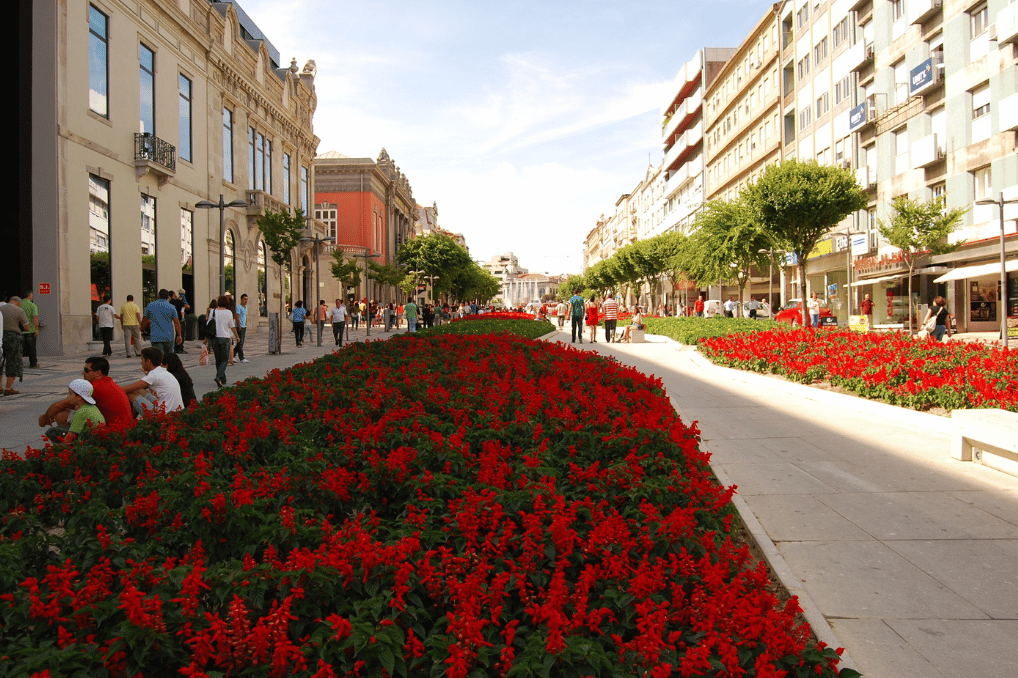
823, 248
860, 244
921, 77
791, 259
857, 116
880, 263
43, 288
859, 323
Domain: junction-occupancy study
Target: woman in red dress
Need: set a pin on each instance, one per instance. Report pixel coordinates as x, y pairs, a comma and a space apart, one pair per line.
592, 311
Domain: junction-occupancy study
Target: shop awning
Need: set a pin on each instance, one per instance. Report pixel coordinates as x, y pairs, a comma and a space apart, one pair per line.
977, 271
870, 281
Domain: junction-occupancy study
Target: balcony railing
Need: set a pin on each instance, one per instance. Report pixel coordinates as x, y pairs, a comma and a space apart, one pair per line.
150, 148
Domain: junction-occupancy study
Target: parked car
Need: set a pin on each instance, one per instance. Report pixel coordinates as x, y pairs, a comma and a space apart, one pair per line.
713, 307
792, 312
763, 312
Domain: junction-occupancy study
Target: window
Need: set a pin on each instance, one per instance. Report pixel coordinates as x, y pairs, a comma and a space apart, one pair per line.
251, 158
803, 67
259, 162
983, 178
805, 118
186, 241
228, 145
99, 239
148, 249
147, 89
939, 191
268, 166
840, 34
327, 214
286, 178
979, 19
900, 82
981, 113
820, 51
897, 9
304, 185
823, 104
184, 90
901, 151
842, 90
98, 62
802, 17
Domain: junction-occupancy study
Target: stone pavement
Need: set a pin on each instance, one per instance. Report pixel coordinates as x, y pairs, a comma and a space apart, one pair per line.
19, 415
900, 554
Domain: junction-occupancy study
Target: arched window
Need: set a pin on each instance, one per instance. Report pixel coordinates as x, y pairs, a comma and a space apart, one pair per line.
229, 261
263, 281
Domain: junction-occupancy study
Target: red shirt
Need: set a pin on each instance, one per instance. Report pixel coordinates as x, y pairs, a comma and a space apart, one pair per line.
698, 306
867, 306
112, 402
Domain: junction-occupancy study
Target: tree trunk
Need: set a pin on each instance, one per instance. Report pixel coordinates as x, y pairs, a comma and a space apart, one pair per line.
806, 322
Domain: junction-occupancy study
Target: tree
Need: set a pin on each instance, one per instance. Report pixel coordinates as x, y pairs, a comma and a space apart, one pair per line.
437, 255
919, 227
281, 233
799, 202
727, 244
346, 271
389, 275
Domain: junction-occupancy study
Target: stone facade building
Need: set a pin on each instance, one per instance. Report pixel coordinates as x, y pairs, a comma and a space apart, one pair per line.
140, 111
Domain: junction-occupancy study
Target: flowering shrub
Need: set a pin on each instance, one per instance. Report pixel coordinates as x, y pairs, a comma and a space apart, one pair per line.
693, 330
430, 505
497, 315
892, 367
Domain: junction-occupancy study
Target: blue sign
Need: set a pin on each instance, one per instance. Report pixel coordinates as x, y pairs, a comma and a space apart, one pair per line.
921, 77
791, 259
857, 116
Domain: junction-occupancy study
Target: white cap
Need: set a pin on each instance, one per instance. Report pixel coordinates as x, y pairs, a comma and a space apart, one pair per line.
82, 388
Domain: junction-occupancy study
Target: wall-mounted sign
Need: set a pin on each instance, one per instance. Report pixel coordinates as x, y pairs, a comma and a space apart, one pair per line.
921, 77
857, 116
860, 244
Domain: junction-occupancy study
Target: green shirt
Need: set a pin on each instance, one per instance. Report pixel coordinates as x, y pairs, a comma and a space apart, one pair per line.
86, 415
32, 312
410, 311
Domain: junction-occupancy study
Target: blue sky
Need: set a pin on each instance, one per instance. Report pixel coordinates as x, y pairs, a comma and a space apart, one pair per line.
523, 121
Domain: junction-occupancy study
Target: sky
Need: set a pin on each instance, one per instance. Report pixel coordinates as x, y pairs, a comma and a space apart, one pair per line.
523, 121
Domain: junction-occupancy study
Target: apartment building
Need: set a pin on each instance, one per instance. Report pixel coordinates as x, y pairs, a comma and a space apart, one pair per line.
138, 113
682, 129
937, 115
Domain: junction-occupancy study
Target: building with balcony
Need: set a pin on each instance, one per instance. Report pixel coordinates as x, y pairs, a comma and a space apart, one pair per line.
132, 114
370, 209
935, 116
682, 128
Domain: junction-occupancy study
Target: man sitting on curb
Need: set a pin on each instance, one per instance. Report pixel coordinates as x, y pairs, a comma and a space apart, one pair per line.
158, 389
86, 415
108, 396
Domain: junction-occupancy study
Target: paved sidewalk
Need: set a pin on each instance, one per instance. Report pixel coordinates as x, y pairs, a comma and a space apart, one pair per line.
909, 556
19, 415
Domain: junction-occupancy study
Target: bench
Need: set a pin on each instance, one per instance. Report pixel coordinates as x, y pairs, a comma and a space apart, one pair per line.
635, 337
987, 436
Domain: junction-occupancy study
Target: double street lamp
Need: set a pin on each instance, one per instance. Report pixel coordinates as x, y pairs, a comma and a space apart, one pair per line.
221, 206
1000, 202
318, 284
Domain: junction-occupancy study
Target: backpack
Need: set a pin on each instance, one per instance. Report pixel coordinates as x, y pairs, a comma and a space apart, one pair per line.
210, 324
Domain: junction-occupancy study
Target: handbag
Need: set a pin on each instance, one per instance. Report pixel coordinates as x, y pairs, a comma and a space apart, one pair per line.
204, 359
931, 324
210, 324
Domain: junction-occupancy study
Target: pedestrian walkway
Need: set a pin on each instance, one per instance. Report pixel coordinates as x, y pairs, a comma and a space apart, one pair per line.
900, 554
19, 415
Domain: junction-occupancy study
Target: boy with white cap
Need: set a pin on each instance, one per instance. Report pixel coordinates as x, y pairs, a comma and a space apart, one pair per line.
86, 415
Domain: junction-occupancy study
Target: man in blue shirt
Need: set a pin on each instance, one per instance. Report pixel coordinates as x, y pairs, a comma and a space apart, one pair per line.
576, 312
241, 328
162, 323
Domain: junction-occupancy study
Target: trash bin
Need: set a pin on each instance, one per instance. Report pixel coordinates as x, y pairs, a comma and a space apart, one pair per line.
201, 327
190, 327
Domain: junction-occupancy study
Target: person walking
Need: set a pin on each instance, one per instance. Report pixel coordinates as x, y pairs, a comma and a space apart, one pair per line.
130, 323
698, 306
298, 322
15, 323
938, 313
321, 315
241, 329
105, 314
178, 303
225, 326
338, 314
29, 336
813, 306
354, 315
611, 316
576, 315
410, 309
162, 322
592, 313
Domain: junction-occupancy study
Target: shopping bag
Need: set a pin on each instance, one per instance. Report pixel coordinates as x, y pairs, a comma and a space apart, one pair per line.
204, 359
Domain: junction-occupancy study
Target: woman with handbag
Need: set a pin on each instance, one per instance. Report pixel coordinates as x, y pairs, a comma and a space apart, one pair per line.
220, 328
937, 317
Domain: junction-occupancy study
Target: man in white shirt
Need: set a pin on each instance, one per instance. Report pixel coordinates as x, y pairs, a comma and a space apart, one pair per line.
730, 307
338, 314
158, 389
562, 309
104, 316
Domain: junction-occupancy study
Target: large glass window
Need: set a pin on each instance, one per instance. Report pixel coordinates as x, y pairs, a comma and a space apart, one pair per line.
186, 241
228, 145
251, 158
149, 283
147, 89
229, 259
259, 167
263, 281
99, 240
286, 178
305, 198
268, 166
184, 89
98, 62
981, 113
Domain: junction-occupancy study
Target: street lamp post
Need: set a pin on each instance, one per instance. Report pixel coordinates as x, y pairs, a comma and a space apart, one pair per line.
367, 255
221, 206
1000, 202
318, 283
770, 279
848, 267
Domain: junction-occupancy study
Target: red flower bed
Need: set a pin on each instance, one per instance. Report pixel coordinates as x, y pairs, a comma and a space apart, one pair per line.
892, 367
440, 505
497, 315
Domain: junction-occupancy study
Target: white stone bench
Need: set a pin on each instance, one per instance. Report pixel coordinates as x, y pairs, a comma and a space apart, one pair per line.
987, 436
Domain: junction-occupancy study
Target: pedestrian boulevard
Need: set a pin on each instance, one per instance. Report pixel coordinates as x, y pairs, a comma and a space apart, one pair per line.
899, 553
